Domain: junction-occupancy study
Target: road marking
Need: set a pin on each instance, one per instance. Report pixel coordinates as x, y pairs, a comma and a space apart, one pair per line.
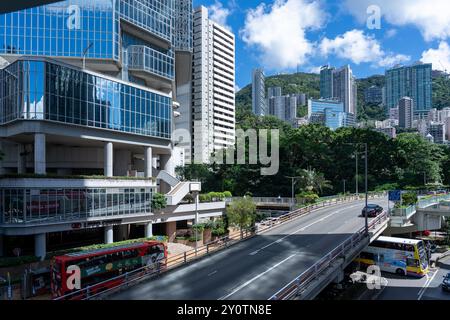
210, 274
426, 285
295, 232
255, 278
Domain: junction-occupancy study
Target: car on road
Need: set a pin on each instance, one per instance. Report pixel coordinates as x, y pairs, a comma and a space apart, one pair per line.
269, 221
372, 210
446, 283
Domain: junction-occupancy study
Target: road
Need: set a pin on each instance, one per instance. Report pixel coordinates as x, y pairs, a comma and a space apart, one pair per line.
426, 288
257, 268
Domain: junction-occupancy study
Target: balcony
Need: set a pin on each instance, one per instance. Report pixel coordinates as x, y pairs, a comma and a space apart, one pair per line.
145, 60
37, 201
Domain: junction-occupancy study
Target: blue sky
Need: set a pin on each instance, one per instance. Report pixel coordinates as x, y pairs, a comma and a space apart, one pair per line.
280, 35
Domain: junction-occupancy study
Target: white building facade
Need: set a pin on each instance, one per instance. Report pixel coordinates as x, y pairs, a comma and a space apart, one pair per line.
213, 84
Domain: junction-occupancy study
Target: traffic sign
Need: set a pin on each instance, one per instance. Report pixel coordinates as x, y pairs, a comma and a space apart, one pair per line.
395, 195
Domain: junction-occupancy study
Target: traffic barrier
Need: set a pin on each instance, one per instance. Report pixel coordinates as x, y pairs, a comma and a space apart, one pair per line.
130, 278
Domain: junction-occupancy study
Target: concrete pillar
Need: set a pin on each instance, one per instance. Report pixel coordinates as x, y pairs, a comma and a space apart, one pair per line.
148, 162
149, 230
1, 246
108, 161
2, 148
166, 163
109, 234
40, 245
21, 159
171, 230
39, 154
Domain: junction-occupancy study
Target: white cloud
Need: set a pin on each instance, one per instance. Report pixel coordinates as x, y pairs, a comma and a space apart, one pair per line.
314, 69
219, 14
391, 33
279, 31
440, 57
236, 88
430, 17
360, 48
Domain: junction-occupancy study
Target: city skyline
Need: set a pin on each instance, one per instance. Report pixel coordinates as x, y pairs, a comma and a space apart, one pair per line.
331, 33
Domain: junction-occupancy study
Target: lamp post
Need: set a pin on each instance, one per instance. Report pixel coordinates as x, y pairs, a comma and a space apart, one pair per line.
84, 54
343, 180
365, 181
293, 184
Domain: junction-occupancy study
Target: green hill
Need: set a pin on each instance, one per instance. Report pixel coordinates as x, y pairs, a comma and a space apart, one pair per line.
309, 83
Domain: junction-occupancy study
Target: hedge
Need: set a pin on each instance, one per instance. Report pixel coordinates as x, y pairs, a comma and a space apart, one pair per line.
15, 261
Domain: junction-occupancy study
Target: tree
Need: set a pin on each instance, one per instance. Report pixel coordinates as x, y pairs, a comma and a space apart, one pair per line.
313, 181
159, 201
241, 213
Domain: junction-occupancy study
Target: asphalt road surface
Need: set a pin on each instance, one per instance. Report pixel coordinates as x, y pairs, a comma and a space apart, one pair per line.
425, 288
257, 268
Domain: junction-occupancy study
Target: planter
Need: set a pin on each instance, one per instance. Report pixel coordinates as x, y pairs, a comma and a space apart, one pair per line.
182, 241
207, 235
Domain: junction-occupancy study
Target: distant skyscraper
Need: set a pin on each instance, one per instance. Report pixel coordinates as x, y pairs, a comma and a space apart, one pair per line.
273, 92
329, 113
258, 92
373, 95
326, 82
413, 81
437, 130
283, 107
405, 112
339, 84
213, 87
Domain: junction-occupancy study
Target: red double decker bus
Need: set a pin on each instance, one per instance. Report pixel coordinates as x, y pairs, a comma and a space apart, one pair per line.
99, 268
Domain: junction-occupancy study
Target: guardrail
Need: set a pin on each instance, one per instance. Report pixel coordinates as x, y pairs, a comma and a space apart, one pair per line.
130, 278
300, 283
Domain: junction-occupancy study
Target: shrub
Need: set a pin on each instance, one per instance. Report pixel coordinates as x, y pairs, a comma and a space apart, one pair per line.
227, 194
409, 199
307, 197
16, 261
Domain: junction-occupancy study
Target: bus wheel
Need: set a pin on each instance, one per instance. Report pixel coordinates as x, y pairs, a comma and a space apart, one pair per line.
400, 272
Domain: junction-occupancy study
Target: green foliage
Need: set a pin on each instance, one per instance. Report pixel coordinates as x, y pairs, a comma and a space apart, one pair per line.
241, 213
16, 261
103, 246
409, 198
387, 187
159, 201
307, 197
441, 92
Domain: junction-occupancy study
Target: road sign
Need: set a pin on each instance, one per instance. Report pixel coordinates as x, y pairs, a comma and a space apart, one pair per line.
395, 195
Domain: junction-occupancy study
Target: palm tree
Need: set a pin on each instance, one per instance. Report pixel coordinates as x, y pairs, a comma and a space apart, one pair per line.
314, 181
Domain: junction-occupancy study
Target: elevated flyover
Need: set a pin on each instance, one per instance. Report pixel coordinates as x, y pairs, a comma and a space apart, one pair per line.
304, 251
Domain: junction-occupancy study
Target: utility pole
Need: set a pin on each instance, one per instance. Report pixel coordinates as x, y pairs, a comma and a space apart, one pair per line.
292, 188
356, 174
344, 185
367, 191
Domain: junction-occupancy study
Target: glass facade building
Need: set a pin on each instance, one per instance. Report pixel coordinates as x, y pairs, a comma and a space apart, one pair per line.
69, 28
412, 81
33, 205
41, 90
329, 113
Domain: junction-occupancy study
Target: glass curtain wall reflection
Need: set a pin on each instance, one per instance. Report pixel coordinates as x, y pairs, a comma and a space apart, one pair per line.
20, 205
44, 90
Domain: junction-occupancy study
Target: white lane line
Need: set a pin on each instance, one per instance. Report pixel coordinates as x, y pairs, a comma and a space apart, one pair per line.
295, 232
255, 278
210, 274
424, 289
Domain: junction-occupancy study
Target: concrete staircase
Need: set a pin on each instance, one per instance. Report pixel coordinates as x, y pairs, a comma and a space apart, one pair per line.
179, 189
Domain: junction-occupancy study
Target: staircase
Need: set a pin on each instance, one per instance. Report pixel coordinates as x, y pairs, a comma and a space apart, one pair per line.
179, 189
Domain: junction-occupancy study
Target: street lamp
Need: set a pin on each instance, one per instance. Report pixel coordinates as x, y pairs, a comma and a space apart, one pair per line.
84, 54
365, 181
196, 197
344, 185
293, 184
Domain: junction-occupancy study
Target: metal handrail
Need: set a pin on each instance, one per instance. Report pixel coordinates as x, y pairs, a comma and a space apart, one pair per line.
306, 277
191, 255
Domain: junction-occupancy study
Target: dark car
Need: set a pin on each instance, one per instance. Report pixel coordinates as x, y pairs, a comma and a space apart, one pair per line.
372, 210
446, 283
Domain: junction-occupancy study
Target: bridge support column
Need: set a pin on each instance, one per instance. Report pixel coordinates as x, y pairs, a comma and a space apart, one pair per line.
149, 230
109, 234
339, 277
40, 245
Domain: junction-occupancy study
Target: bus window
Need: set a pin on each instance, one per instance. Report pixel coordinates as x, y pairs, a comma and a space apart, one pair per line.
412, 263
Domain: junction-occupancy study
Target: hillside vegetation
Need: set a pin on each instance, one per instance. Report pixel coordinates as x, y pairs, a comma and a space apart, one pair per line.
309, 83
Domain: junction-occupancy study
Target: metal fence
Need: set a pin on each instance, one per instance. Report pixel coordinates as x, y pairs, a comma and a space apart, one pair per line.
300, 283
131, 278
